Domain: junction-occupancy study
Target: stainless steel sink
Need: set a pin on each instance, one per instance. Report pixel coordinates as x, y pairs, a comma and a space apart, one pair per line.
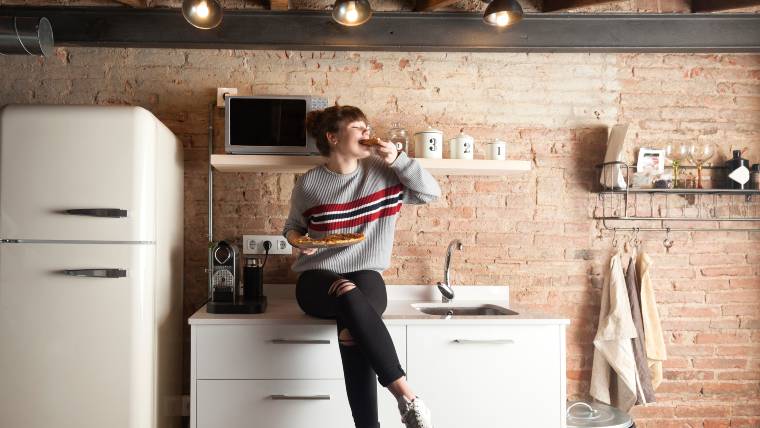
463, 310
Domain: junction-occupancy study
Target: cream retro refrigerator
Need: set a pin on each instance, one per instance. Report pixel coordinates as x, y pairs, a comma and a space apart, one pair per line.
91, 226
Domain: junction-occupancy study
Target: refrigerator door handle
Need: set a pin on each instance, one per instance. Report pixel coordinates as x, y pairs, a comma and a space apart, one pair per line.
97, 273
98, 212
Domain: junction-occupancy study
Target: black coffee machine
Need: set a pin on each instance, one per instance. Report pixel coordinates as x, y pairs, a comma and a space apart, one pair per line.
224, 289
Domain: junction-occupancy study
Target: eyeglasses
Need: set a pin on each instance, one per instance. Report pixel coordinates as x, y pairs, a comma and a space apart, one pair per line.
362, 129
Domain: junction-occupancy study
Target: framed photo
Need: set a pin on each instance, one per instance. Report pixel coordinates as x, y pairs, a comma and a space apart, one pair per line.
651, 161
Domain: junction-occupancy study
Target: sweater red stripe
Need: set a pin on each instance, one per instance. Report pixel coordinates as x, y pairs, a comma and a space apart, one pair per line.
319, 209
385, 212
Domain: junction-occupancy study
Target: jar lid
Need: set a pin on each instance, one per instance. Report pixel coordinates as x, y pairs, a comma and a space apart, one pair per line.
595, 415
462, 135
430, 129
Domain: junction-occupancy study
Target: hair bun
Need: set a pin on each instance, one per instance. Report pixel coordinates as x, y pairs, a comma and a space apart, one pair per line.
314, 123
330, 120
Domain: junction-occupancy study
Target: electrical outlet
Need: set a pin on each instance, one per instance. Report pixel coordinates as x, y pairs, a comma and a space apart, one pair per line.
222, 94
254, 244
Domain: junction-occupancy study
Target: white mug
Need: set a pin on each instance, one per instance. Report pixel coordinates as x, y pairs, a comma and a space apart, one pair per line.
462, 146
497, 150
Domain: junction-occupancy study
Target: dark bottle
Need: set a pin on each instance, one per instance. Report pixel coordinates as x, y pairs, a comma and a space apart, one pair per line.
733, 167
253, 279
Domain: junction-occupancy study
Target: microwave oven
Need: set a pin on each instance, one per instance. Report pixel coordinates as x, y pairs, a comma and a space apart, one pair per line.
274, 125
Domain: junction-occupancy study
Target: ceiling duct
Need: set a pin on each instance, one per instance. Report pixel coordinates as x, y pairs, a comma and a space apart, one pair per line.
25, 36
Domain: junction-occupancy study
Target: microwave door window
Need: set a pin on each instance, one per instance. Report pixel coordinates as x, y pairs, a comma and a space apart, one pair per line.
268, 123
287, 124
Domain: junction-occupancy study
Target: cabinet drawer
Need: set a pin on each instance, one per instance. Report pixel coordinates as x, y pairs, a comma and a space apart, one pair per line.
272, 404
511, 374
268, 352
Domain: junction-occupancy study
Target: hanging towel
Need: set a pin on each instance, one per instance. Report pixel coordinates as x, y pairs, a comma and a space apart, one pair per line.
645, 390
613, 375
654, 341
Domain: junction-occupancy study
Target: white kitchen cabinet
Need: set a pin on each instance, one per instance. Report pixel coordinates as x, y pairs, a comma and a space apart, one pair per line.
489, 375
244, 403
275, 376
270, 352
282, 369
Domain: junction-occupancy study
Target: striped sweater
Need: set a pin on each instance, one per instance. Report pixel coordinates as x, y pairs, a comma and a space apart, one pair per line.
367, 201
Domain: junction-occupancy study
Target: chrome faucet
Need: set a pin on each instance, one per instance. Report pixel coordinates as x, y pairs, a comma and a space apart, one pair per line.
445, 287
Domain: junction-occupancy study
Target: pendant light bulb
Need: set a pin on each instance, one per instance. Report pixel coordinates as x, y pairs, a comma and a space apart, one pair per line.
503, 13
352, 15
203, 14
351, 12
201, 10
502, 19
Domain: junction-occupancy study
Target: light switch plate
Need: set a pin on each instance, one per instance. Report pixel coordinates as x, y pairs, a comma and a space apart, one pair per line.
221, 93
254, 244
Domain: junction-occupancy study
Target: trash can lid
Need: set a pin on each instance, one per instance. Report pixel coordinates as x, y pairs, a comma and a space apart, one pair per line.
595, 415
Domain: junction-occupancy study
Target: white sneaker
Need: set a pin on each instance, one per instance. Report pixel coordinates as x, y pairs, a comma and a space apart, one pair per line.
414, 414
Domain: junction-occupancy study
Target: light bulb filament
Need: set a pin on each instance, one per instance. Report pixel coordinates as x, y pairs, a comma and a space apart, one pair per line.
201, 10
352, 15
502, 19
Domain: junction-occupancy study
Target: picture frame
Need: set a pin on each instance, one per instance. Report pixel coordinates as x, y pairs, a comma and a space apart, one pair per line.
651, 161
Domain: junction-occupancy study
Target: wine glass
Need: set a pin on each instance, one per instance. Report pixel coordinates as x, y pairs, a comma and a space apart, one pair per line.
699, 153
676, 152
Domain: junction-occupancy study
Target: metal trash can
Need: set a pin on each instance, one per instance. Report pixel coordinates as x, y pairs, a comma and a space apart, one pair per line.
581, 414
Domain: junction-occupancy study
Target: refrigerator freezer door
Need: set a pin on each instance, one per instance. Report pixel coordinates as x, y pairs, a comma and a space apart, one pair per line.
55, 159
76, 351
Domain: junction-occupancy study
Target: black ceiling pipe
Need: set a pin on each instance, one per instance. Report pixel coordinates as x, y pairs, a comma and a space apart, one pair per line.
402, 31
25, 36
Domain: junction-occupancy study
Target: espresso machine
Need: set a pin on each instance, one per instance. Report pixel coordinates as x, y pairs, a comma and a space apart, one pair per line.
226, 294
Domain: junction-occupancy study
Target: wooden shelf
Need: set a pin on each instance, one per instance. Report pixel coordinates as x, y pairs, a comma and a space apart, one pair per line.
299, 164
685, 192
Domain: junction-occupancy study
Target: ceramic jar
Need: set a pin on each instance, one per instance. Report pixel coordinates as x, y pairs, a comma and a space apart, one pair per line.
462, 146
497, 150
428, 144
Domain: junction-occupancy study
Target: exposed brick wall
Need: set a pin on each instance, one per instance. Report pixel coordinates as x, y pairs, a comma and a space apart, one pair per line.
533, 231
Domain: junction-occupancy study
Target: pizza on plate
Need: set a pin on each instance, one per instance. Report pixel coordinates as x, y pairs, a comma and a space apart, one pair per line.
334, 240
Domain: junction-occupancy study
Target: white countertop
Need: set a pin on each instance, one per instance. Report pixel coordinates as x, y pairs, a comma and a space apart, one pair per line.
282, 308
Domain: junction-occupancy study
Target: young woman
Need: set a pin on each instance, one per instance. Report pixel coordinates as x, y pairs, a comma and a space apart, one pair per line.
361, 190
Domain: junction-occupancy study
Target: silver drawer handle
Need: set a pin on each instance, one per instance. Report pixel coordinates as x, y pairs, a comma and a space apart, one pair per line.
302, 341
98, 212
97, 273
300, 397
484, 341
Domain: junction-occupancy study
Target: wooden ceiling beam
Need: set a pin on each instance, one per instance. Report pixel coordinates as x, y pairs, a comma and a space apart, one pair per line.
557, 5
134, 3
718, 5
279, 4
430, 5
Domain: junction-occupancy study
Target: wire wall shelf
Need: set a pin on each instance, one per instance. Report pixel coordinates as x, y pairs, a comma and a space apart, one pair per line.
622, 208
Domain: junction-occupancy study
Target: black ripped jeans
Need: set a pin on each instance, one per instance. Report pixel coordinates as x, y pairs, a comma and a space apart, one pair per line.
359, 310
